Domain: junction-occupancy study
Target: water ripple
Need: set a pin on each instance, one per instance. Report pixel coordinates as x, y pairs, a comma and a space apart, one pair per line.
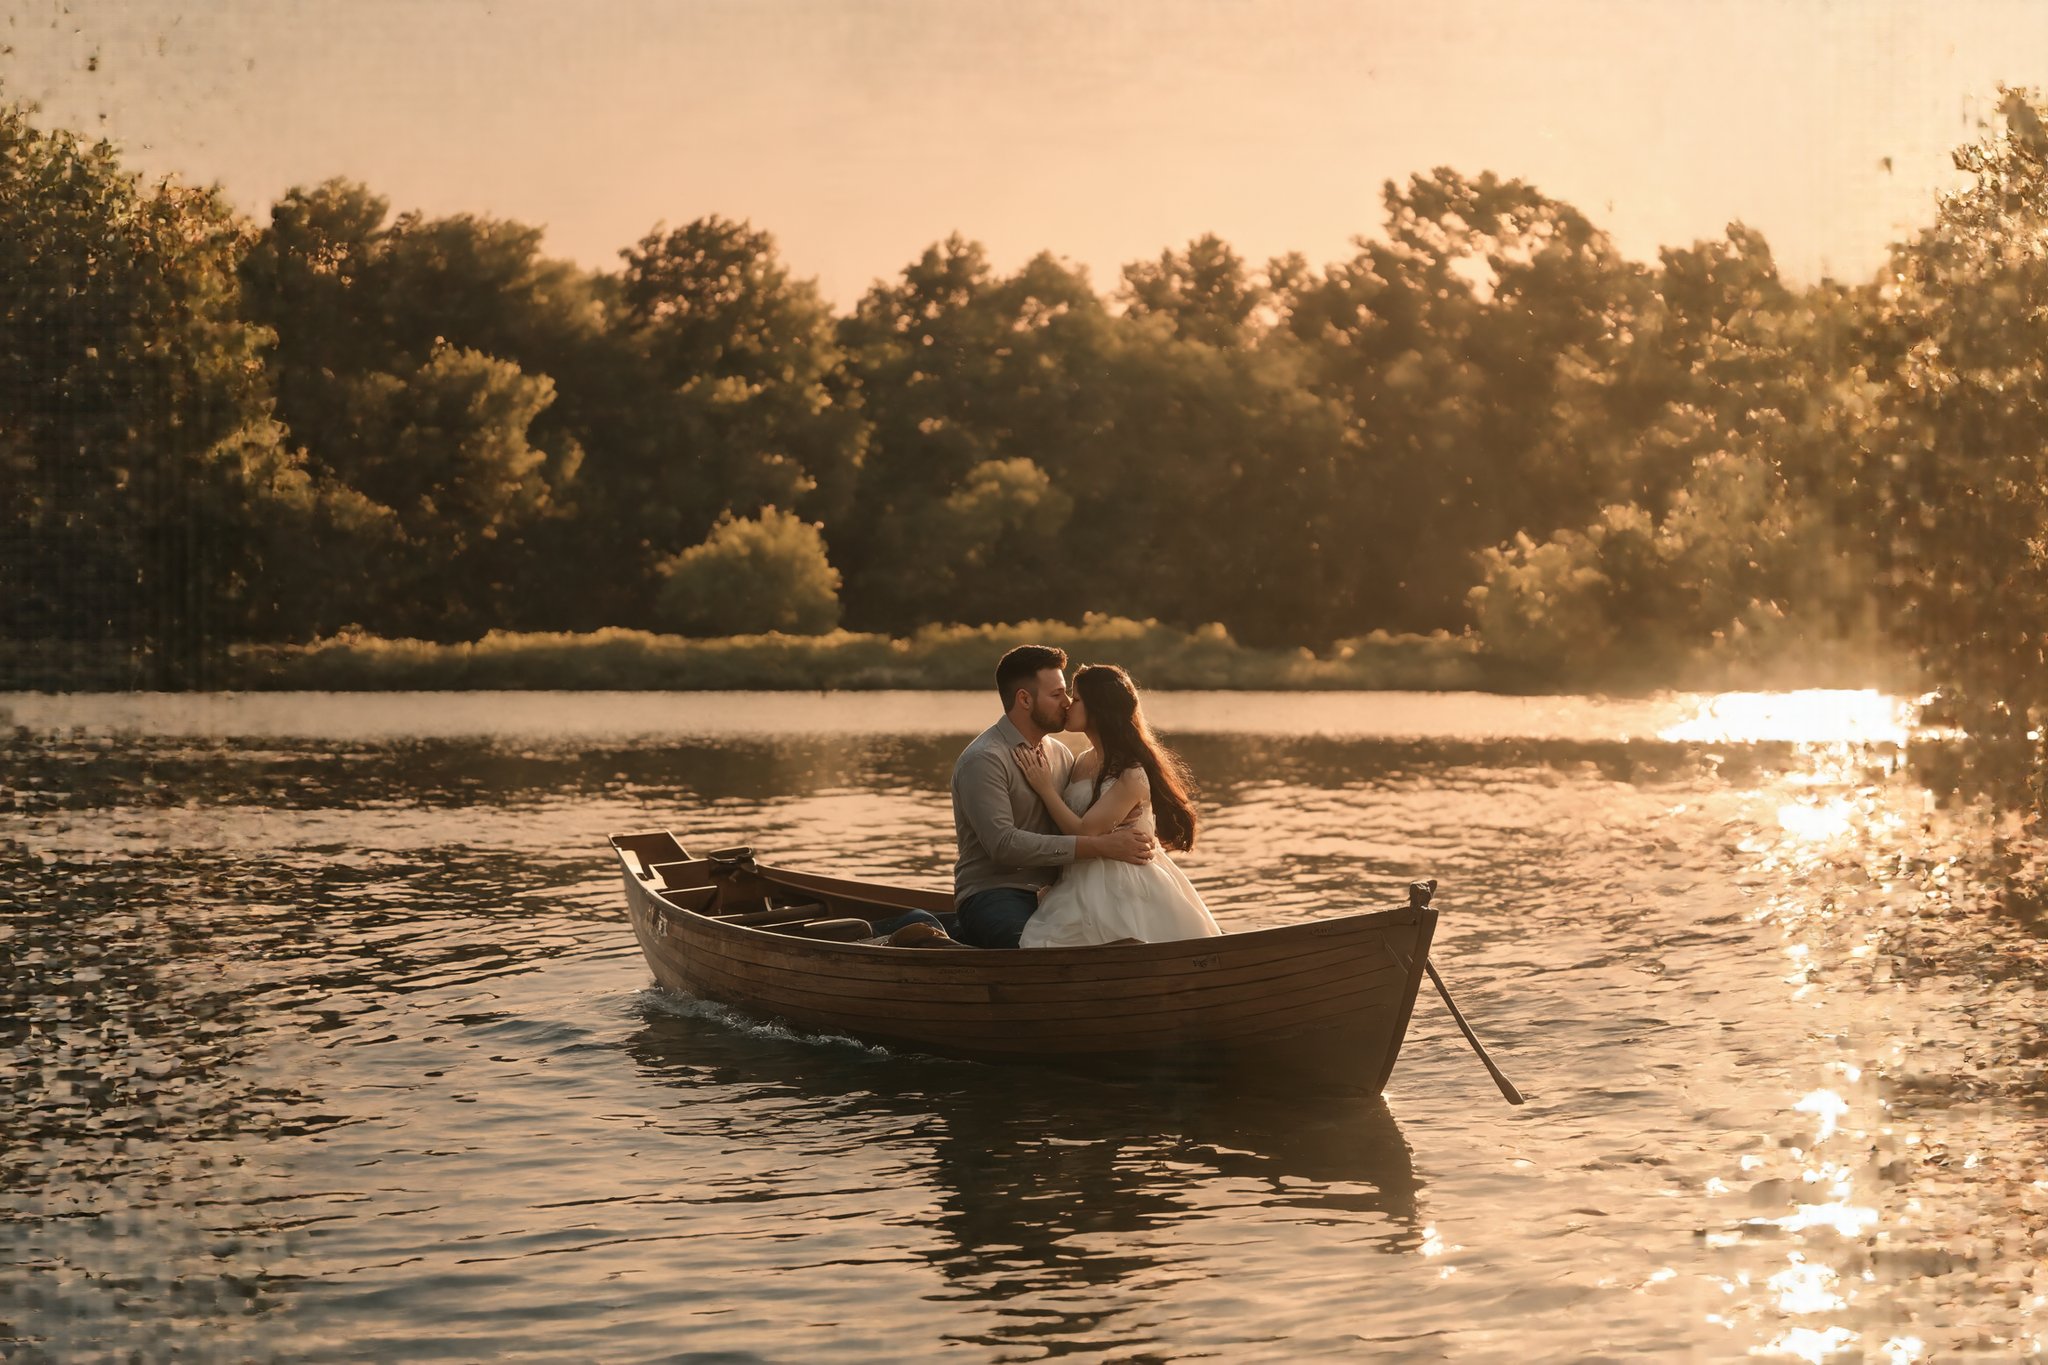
325, 1038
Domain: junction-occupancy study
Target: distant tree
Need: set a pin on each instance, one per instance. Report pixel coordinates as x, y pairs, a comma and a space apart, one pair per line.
484, 285
445, 451
1033, 453
147, 493
1460, 345
1717, 340
769, 572
1208, 490
351, 291
1729, 570
741, 354
311, 276
1484, 416
1730, 430
973, 388
998, 500
401, 365
1204, 291
445, 447
1963, 437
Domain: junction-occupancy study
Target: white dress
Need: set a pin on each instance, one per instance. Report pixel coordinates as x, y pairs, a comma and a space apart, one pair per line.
1101, 900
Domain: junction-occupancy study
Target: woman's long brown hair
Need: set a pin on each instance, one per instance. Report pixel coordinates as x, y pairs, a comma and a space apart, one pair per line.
1112, 701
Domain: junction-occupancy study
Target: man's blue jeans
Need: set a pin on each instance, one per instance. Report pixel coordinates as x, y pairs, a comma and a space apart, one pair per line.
994, 918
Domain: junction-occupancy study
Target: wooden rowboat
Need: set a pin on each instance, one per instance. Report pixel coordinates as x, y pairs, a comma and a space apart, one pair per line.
1329, 999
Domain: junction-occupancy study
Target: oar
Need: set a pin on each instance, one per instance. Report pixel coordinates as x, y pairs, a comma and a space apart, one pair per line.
1507, 1087
1418, 898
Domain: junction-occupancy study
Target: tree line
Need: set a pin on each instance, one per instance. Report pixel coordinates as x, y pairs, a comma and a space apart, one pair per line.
217, 429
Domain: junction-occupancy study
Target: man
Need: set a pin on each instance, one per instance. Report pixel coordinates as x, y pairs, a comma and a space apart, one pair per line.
1009, 847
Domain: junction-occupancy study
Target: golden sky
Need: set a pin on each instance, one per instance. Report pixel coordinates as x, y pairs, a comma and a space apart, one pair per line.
860, 131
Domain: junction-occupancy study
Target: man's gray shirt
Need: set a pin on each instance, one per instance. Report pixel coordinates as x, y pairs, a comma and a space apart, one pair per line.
1006, 837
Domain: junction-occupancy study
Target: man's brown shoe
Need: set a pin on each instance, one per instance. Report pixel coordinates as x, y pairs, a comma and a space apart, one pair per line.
922, 935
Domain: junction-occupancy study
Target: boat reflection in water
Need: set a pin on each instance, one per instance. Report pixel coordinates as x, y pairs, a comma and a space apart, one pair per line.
1034, 1179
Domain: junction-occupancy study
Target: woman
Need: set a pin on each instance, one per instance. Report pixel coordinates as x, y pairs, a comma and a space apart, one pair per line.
1125, 774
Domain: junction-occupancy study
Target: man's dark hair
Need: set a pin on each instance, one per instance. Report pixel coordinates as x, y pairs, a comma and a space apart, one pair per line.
1022, 665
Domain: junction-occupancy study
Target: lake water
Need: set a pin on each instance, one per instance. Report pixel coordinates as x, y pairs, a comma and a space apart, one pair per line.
325, 1037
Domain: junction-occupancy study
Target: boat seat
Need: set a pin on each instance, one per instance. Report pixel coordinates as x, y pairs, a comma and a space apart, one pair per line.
688, 874
648, 848
696, 899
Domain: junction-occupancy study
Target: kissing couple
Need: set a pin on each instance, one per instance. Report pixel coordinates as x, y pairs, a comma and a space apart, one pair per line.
1058, 851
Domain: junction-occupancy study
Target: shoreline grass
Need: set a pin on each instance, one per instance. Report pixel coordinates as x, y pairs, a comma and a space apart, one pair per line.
933, 658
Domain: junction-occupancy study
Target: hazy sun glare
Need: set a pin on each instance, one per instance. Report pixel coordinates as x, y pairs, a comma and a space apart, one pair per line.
1815, 716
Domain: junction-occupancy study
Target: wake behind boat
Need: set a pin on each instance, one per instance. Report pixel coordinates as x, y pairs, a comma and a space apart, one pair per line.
1329, 1000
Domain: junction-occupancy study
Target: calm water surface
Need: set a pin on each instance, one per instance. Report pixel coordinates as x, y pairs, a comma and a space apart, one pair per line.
325, 1038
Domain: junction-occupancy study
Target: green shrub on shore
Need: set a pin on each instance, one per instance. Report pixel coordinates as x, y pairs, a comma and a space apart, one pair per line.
948, 657
769, 570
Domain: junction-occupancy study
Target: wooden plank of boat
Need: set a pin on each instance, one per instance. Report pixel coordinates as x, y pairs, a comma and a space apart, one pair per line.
1331, 997
1258, 981
1224, 996
1117, 1025
1221, 1004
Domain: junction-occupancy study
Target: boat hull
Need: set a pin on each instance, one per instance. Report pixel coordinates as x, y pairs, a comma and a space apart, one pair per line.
1329, 999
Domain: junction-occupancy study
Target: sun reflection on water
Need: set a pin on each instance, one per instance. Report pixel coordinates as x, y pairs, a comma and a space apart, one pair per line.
1850, 1220
1818, 822
1822, 1275
1805, 1288
1829, 1106
1815, 716
1805, 1343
